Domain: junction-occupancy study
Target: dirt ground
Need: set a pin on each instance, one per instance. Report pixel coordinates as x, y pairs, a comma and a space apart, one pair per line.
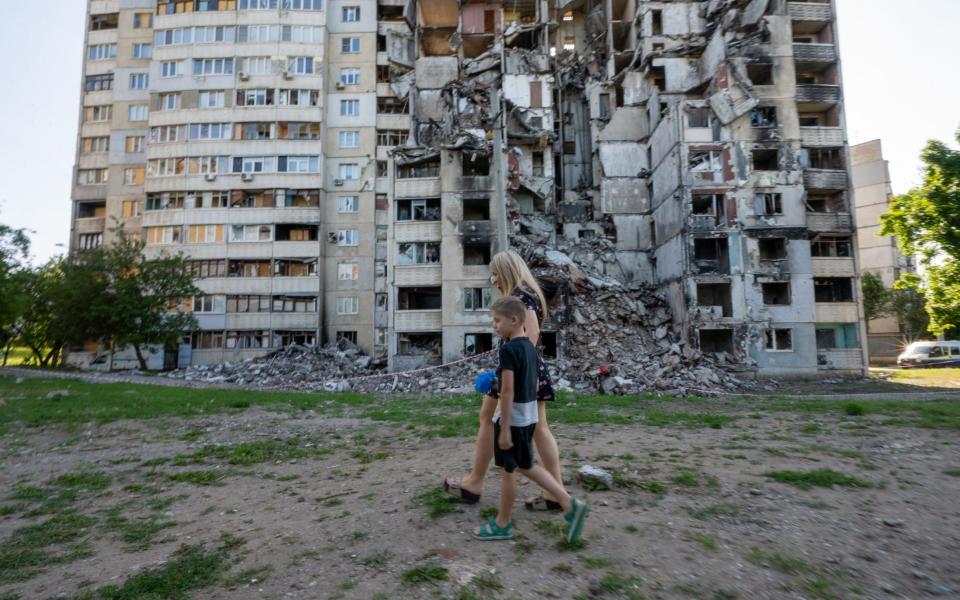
692, 515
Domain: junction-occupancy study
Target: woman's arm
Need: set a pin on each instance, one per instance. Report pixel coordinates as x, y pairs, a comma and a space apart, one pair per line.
532, 327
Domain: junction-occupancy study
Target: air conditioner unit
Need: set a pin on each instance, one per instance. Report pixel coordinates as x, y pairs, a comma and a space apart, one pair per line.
341, 85
338, 182
332, 237
246, 177
243, 75
287, 74
210, 176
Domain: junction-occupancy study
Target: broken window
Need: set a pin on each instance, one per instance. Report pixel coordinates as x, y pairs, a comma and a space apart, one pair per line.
830, 247
477, 166
391, 137
251, 233
348, 336
104, 22
477, 343
419, 298
249, 268
430, 168
763, 117
294, 267
699, 117
424, 344
476, 253
91, 210
249, 304
713, 341
709, 205
715, 295
826, 203
841, 336
772, 248
295, 304
206, 340
768, 204
570, 147
537, 164
476, 209
711, 255
656, 22
477, 298
380, 302
348, 237
201, 269
391, 106
89, 241
707, 166
294, 338
822, 158
659, 77
299, 198
833, 289
548, 342
418, 253
760, 73
776, 293
779, 340
348, 305
418, 209
297, 233
765, 159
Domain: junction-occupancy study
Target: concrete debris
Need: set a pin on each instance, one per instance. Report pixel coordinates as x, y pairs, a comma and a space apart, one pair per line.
595, 477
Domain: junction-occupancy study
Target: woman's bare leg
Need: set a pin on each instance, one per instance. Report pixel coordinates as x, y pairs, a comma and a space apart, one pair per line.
547, 448
483, 452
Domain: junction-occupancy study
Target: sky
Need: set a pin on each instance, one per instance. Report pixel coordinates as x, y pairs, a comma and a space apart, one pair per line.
899, 73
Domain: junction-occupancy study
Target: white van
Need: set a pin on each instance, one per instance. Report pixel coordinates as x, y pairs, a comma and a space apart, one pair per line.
931, 354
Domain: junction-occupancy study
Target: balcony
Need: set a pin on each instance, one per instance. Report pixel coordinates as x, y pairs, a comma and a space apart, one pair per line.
810, 11
476, 183
818, 94
703, 222
824, 179
417, 320
843, 359
832, 267
826, 221
91, 225
417, 231
395, 121
422, 187
418, 275
836, 312
821, 136
815, 53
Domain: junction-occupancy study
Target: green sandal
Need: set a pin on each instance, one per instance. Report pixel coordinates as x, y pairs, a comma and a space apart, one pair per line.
574, 519
491, 531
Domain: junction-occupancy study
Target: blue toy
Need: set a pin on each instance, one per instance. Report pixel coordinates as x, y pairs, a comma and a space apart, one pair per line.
484, 382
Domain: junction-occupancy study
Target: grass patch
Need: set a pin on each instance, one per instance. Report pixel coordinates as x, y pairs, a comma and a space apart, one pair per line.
591, 562
437, 502
487, 582
190, 568
819, 478
952, 472
377, 560
564, 546
249, 576
30, 549
252, 453
621, 585
207, 477
692, 478
62, 492
425, 574
854, 409
137, 534
707, 541
777, 560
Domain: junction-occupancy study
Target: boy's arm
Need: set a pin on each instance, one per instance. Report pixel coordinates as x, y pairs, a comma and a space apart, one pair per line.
506, 405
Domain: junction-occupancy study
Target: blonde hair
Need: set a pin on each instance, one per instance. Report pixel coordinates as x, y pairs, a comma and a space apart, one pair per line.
510, 306
514, 273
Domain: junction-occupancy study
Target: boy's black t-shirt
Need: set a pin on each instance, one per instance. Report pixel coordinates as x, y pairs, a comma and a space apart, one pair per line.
519, 356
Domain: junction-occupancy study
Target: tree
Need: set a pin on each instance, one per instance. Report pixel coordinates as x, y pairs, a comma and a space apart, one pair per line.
909, 305
926, 223
146, 295
876, 297
14, 272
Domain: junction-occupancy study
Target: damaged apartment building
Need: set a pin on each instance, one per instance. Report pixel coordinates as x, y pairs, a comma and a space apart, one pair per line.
334, 169
703, 141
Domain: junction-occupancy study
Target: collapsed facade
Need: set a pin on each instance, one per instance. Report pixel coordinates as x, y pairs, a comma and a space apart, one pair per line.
702, 142
696, 147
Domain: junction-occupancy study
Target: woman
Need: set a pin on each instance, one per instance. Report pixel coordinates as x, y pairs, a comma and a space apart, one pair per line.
512, 276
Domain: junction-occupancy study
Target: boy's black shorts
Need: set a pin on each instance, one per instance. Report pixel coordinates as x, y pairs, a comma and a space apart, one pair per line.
518, 456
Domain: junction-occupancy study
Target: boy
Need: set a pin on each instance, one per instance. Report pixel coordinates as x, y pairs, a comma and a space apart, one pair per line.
514, 424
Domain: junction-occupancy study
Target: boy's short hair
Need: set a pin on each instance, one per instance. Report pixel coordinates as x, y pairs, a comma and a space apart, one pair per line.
509, 306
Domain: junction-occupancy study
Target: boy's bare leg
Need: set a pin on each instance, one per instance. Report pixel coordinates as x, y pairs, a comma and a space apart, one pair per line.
508, 494
483, 452
544, 479
547, 448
